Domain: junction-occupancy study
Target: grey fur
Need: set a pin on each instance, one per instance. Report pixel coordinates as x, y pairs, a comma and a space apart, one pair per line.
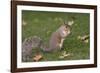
57, 38
27, 46
55, 42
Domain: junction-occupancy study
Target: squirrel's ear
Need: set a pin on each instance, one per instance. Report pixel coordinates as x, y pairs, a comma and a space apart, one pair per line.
65, 23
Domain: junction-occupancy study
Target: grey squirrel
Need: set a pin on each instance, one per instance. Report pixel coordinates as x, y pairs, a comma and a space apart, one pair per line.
55, 42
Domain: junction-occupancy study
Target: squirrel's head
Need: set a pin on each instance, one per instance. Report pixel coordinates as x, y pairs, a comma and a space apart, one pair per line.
65, 30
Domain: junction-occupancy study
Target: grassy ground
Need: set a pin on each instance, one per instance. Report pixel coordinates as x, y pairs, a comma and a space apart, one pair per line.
42, 24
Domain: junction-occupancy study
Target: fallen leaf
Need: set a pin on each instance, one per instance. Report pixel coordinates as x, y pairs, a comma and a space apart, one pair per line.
83, 37
70, 23
64, 54
61, 57
37, 57
67, 55
24, 23
86, 41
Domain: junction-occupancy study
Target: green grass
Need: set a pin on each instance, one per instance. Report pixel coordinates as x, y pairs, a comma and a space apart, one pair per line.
42, 24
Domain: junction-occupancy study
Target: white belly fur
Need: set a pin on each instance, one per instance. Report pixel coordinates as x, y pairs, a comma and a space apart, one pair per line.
61, 43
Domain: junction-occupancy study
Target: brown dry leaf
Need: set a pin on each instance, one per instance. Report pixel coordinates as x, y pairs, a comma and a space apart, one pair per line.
37, 57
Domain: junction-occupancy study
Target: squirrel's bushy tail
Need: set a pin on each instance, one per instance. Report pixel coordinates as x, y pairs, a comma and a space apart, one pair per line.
30, 43
44, 47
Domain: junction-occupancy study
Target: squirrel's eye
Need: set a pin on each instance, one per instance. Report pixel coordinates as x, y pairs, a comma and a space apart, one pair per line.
66, 26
